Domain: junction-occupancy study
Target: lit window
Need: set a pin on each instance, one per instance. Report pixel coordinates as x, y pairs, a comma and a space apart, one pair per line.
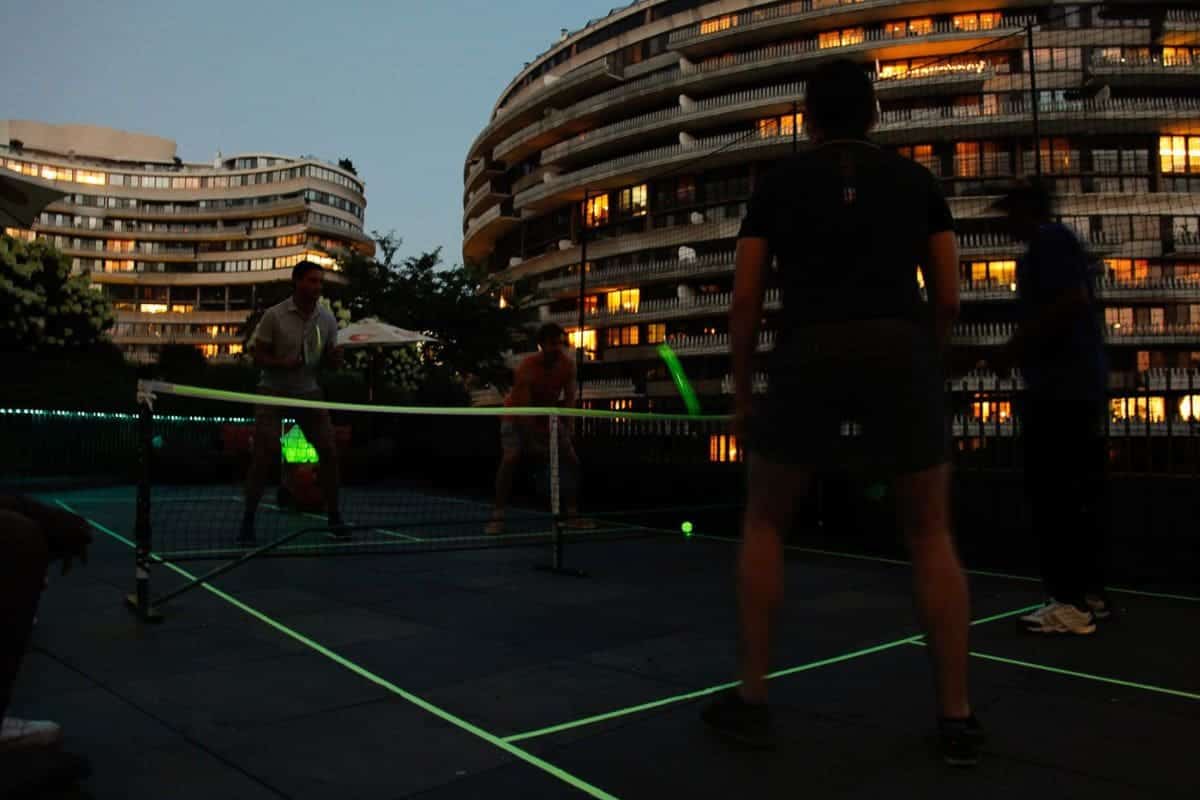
118, 266
236, 349
93, 178
596, 211
894, 69
210, 350
724, 449
1002, 273
1177, 56
989, 20
153, 308
718, 24
1128, 270
1179, 154
1189, 408
591, 305
920, 27
768, 128
58, 173
1139, 409
895, 30
587, 341
632, 201
656, 333
625, 301
992, 411
966, 159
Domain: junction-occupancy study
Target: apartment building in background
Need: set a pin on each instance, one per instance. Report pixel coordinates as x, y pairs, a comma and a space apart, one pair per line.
185, 251
646, 131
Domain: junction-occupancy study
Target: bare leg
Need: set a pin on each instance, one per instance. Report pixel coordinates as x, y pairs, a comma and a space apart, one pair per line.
940, 585
774, 490
266, 444
22, 573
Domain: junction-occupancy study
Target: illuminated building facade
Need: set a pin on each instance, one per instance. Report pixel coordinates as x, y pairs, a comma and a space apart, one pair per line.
183, 250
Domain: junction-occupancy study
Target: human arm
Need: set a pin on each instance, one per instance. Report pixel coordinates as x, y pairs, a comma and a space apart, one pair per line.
943, 280
745, 318
262, 346
67, 535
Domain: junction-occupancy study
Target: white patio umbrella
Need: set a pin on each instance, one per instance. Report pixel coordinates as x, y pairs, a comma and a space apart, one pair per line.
22, 198
375, 334
371, 332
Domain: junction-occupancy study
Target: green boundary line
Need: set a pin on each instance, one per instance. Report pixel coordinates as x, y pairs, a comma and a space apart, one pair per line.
1145, 687
681, 698
362, 672
981, 572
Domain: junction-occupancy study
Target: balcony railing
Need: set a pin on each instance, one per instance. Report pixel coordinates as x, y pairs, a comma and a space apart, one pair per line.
870, 38
1107, 63
593, 103
650, 310
1115, 287
633, 273
608, 65
493, 214
612, 388
714, 345
902, 119
1186, 333
759, 385
992, 334
615, 131
986, 381
1172, 380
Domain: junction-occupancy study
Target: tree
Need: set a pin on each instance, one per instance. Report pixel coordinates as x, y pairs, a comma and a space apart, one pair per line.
43, 307
419, 294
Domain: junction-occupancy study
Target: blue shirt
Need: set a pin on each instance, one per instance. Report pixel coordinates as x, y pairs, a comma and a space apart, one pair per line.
1075, 361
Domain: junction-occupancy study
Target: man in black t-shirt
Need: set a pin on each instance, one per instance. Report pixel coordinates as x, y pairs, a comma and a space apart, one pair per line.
848, 225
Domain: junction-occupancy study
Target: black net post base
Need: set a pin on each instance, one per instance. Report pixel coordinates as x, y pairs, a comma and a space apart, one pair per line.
139, 601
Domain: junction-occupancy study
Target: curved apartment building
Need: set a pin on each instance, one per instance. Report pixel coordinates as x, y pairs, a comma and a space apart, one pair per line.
183, 250
634, 144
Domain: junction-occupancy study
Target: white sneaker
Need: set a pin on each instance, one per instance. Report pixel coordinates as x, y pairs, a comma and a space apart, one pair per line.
28, 734
1062, 618
1035, 616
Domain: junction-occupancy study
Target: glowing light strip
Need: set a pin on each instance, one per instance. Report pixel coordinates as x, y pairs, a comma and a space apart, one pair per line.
287, 402
383, 683
1145, 687
681, 698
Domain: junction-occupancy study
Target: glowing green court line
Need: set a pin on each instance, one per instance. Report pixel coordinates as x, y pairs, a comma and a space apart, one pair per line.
981, 572
383, 683
1145, 687
427, 411
682, 698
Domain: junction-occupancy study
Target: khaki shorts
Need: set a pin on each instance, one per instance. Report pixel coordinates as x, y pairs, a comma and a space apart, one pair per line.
315, 424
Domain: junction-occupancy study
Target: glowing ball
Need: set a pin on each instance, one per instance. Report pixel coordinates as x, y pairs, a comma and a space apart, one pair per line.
687, 528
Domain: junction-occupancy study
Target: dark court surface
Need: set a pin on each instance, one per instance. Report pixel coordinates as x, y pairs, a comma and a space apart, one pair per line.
442, 675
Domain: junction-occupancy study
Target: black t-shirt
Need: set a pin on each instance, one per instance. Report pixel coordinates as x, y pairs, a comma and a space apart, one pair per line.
849, 224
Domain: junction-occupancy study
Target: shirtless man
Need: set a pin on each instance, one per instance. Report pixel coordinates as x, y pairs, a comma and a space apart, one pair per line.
540, 381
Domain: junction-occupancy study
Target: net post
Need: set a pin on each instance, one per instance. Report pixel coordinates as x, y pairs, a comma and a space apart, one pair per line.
556, 565
139, 602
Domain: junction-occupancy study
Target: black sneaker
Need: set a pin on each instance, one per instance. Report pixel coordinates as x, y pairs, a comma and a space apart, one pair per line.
1101, 606
961, 741
735, 719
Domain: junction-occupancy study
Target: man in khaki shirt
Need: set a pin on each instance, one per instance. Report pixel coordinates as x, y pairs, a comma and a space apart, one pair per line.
293, 341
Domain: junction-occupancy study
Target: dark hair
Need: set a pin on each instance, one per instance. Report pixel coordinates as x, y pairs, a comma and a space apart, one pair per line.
841, 100
548, 332
1031, 197
303, 268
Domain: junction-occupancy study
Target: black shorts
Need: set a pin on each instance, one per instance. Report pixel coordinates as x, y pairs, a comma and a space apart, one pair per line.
862, 396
